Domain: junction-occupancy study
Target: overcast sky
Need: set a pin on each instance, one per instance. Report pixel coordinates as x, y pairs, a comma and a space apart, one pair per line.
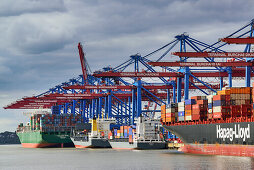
38, 44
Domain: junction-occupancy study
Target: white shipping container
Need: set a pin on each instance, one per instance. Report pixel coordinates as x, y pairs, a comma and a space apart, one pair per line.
188, 117
181, 109
217, 109
181, 118
210, 98
180, 104
203, 97
170, 110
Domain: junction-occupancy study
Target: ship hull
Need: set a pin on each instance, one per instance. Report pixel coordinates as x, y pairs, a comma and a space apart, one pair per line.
235, 139
91, 143
140, 145
217, 149
37, 139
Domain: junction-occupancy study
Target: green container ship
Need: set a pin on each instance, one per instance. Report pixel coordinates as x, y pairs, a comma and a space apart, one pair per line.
40, 139
48, 130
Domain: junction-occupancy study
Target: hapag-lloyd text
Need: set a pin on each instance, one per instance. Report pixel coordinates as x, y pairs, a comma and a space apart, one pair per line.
237, 132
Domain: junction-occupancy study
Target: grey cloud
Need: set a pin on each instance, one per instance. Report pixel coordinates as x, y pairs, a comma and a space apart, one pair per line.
32, 36
39, 41
14, 8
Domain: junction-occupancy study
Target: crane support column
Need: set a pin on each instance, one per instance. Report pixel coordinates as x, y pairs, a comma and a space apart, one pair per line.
179, 89
84, 110
247, 76
186, 83
106, 107
93, 108
73, 108
139, 99
99, 108
221, 83
109, 105
133, 106
168, 96
229, 76
129, 115
174, 92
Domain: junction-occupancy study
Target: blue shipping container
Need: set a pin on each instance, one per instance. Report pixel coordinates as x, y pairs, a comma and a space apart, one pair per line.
115, 132
190, 101
125, 135
180, 113
219, 103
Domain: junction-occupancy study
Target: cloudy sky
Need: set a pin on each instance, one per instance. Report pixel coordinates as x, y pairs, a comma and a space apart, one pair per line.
38, 44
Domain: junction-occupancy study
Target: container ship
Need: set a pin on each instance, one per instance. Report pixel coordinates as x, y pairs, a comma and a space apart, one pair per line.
92, 135
220, 124
48, 130
145, 135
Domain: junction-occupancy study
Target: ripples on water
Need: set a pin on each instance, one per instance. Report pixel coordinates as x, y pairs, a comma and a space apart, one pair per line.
15, 157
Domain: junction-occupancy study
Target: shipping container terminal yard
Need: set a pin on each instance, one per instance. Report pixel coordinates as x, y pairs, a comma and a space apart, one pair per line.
187, 94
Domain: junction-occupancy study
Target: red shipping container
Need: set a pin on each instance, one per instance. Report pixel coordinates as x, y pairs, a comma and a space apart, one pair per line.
205, 102
196, 117
195, 112
199, 112
209, 116
188, 107
217, 115
196, 97
247, 102
219, 97
245, 108
235, 111
227, 97
170, 115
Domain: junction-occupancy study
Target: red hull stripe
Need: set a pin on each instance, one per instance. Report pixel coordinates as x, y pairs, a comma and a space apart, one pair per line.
80, 146
38, 145
219, 149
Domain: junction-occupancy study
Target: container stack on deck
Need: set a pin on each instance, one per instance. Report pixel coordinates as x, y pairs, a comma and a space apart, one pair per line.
51, 121
188, 109
124, 132
210, 106
200, 109
181, 111
228, 103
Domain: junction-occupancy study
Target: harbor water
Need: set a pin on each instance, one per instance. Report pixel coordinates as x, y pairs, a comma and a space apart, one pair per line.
15, 157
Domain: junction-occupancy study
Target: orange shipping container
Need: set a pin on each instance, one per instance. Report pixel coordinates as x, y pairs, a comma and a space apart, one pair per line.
170, 115
202, 102
187, 112
248, 90
170, 119
163, 108
196, 97
219, 97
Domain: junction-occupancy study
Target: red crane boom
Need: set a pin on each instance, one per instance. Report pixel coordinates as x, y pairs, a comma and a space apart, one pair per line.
83, 61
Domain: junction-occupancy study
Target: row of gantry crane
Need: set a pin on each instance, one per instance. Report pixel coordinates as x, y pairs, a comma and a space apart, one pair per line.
140, 85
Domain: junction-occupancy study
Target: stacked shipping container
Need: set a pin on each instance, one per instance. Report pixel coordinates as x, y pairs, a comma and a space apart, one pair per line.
200, 109
49, 121
228, 103
188, 109
181, 111
126, 132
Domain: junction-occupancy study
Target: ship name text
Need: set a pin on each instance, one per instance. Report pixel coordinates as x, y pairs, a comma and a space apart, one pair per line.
237, 132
